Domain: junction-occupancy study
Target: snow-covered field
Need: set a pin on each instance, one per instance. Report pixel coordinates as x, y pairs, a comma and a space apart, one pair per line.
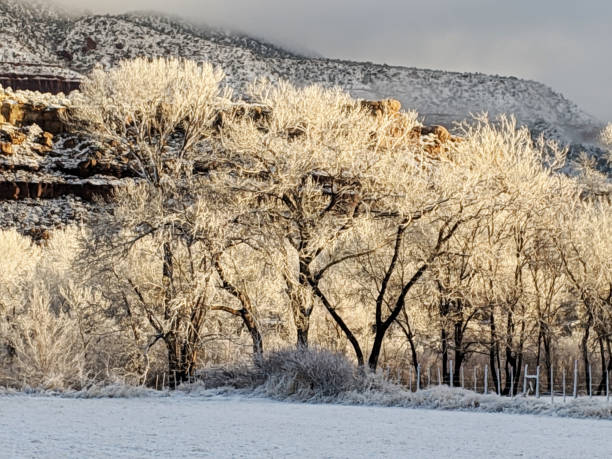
192, 426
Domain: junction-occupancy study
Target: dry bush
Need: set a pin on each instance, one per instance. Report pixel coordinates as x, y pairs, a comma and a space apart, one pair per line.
45, 348
299, 374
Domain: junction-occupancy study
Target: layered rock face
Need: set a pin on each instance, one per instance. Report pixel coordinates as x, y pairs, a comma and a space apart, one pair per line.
49, 176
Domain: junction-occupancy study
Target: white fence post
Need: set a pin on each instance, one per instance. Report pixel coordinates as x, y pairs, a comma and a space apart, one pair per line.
451, 374
564, 384
590, 383
418, 382
552, 383
525, 380
428, 376
607, 386
486, 379
462, 380
538, 381
475, 383
576, 378
439, 381
511, 381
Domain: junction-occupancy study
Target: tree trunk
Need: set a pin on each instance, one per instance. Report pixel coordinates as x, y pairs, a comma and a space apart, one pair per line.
444, 339
251, 325
584, 344
493, 349
602, 384
180, 363
246, 312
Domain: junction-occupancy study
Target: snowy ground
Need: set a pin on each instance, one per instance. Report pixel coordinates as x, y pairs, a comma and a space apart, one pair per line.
191, 426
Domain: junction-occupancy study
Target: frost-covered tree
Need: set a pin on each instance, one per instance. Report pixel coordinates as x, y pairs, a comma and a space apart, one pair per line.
168, 226
311, 163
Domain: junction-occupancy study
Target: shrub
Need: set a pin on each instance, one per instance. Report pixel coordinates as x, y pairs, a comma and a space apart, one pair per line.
304, 374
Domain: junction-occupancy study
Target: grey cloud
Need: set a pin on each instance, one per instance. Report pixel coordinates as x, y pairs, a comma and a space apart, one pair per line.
563, 43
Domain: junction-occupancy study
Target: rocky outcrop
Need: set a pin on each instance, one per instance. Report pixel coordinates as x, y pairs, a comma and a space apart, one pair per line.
41, 77
43, 83
49, 176
436, 140
89, 45
380, 107
18, 113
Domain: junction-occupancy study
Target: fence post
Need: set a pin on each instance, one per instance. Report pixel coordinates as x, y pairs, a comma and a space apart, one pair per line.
156, 381
462, 379
399, 375
428, 376
576, 378
564, 384
511, 381
498, 382
418, 381
451, 375
475, 383
525, 380
590, 383
174, 379
607, 386
163, 380
439, 376
538, 381
486, 379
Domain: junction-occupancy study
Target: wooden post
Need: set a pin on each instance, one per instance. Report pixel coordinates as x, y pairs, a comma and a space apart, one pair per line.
439, 381
590, 383
538, 381
451, 374
418, 382
428, 376
511, 381
163, 380
486, 379
475, 383
462, 379
498, 382
156, 381
607, 386
525, 380
174, 379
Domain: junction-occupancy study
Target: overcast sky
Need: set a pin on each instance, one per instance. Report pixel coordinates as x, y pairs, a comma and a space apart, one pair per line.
566, 44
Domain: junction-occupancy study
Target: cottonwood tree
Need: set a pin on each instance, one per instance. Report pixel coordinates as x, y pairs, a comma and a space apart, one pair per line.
160, 115
585, 252
311, 167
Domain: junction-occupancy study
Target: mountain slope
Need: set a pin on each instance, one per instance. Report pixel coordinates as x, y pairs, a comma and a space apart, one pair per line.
34, 32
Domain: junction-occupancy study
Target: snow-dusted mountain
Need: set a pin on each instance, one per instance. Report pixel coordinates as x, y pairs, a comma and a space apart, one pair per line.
34, 32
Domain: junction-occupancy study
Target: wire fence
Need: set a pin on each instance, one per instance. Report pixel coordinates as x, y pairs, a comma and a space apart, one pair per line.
567, 381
